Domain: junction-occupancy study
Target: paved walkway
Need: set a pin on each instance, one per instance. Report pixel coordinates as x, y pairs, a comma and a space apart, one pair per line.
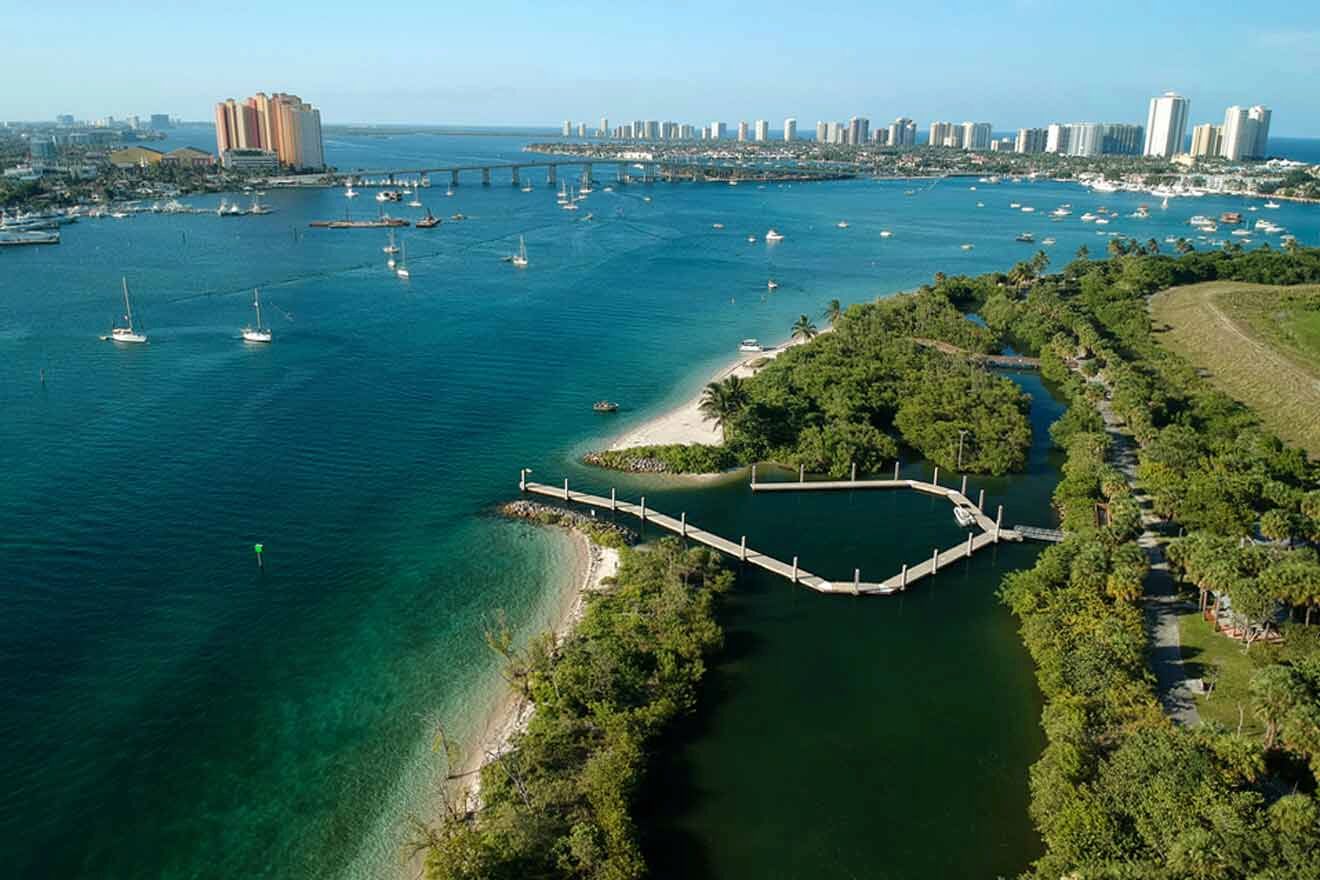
1160, 604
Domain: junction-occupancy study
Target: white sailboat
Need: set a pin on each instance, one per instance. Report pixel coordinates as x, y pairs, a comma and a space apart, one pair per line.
520, 258
257, 333
126, 334
402, 271
391, 248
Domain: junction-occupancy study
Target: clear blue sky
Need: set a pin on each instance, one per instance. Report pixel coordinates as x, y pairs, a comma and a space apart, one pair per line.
1010, 63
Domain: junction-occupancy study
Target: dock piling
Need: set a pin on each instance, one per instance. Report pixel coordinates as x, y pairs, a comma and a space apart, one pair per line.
854, 471
802, 473
522, 480
936, 479
964, 485
743, 548
902, 578
795, 570
614, 502
643, 510
895, 470
999, 518
682, 523
565, 488
753, 476
980, 501
969, 545
857, 581
935, 561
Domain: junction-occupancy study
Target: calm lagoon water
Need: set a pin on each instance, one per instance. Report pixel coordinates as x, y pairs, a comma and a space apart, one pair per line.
173, 711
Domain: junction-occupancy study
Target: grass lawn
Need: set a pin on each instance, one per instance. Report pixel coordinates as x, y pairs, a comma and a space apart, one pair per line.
1207, 653
1258, 343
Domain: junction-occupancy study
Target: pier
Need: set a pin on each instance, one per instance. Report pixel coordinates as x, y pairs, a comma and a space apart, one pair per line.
991, 530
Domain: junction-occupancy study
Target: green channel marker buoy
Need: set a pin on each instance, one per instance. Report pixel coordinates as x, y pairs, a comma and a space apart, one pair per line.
257, 548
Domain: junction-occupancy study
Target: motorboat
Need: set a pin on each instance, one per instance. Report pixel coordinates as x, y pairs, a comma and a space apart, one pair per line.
428, 221
842, 224
966, 247
1026, 237
885, 233
771, 235
750, 345
605, 406
772, 284
1272, 204
965, 517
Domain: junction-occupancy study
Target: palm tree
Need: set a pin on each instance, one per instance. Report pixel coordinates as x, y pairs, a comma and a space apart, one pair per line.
721, 401
1083, 253
804, 329
1152, 246
1039, 261
1183, 246
833, 311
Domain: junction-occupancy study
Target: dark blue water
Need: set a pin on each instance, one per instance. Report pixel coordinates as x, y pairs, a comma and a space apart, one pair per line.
170, 710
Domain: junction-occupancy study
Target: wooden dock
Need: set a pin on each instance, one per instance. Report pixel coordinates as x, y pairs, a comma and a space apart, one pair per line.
991, 530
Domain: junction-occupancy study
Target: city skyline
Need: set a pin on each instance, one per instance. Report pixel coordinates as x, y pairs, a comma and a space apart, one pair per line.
1108, 69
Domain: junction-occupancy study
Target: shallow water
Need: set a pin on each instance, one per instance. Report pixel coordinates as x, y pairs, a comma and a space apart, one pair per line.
172, 710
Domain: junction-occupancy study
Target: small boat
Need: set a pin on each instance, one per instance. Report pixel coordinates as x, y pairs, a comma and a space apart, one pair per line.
1027, 209
1088, 217
1271, 204
391, 248
1049, 240
416, 202
449, 192
520, 259
751, 239
1241, 232
842, 224
349, 192
964, 517
126, 334
1101, 221
605, 406
750, 345
772, 284
1014, 205
980, 204
966, 247
717, 226
771, 235
885, 233
257, 333
1026, 237
646, 198
428, 221
528, 188
1060, 212
457, 217
402, 271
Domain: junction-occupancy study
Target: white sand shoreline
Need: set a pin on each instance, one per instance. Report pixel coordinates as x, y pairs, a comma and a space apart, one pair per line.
685, 423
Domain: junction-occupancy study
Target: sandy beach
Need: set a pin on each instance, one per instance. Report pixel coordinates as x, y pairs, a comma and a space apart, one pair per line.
592, 565
685, 422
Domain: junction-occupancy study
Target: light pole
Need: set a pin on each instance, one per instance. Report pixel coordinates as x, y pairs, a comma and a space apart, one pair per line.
962, 432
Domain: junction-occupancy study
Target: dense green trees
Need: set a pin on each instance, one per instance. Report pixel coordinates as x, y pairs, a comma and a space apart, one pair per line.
559, 803
721, 401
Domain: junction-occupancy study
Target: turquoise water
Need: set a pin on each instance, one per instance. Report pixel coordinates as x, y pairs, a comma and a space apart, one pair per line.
173, 711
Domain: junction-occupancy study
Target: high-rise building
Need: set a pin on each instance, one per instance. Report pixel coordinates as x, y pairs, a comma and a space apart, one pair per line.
604, 129
1030, 140
790, 129
1122, 139
685, 132
939, 133
160, 121
902, 132
1084, 139
64, 119
1207, 140
1246, 132
1261, 115
761, 131
1056, 138
835, 133
975, 136
742, 131
717, 131
822, 132
567, 129
581, 129
282, 124
859, 130
1166, 123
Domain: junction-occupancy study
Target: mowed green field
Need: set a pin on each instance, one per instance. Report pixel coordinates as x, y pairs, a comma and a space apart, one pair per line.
1258, 343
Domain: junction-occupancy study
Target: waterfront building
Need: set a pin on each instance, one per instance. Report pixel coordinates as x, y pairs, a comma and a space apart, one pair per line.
685, 132
135, 157
1207, 140
566, 130
742, 132
604, 128
251, 160
859, 130
939, 133
902, 132
582, 129
188, 157
717, 131
652, 130
1030, 140
836, 133
761, 131
976, 136
1166, 123
282, 124
880, 137
1261, 115
1084, 139
1056, 138
790, 129
822, 132
1122, 139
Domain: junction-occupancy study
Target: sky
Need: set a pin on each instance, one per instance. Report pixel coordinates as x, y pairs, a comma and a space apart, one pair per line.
1013, 63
